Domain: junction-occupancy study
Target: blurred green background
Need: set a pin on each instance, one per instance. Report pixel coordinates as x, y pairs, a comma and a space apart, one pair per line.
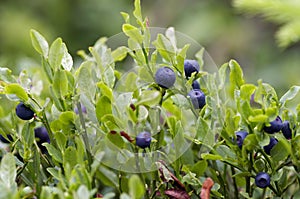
224, 31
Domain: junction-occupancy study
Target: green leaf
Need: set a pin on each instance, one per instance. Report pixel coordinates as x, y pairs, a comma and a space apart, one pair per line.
226, 152
170, 34
60, 83
120, 53
127, 83
8, 171
181, 57
115, 139
67, 60
56, 54
136, 187
137, 11
16, 89
82, 192
112, 122
105, 90
199, 56
108, 177
133, 33
165, 48
204, 134
250, 142
126, 17
61, 141
199, 168
289, 95
247, 90
281, 150
149, 98
109, 77
207, 156
39, 43
54, 153
236, 76
70, 157
258, 118
85, 83
55, 173
27, 135
6, 76
103, 107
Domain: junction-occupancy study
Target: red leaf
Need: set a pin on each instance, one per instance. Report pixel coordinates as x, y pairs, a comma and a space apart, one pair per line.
177, 194
206, 187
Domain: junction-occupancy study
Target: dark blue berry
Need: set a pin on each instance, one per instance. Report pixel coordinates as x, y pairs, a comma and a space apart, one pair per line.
195, 85
165, 77
24, 112
275, 126
286, 130
240, 136
262, 180
42, 136
143, 139
197, 98
190, 66
4, 140
272, 143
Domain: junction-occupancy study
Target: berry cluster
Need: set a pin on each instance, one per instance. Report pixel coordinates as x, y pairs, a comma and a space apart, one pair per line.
196, 94
165, 77
262, 179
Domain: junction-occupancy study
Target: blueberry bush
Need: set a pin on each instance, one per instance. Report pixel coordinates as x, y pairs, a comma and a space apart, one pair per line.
144, 115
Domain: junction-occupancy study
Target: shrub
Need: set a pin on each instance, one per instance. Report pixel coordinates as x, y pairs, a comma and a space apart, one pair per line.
99, 151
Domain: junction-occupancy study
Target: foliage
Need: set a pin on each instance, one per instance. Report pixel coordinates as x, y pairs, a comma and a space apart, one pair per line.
284, 13
92, 151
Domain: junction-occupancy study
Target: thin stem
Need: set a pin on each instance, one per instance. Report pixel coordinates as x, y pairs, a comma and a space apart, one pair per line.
236, 191
84, 134
273, 189
137, 162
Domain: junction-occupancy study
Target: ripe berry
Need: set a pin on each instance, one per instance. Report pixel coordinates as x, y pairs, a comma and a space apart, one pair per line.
286, 130
24, 112
190, 66
240, 136
143, 139
4, 140
275, 126
262, 180
272, 143
42, 136
195, 85
165, 77
197, 98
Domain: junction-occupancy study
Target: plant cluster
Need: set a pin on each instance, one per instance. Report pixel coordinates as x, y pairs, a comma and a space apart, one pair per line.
167, 128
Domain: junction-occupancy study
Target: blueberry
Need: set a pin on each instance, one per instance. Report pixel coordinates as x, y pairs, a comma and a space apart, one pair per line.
195, 85
275, 126
286, 130
42, 136
24, 112
272, 143
197, 98
165, 77
262, 180
143, 139
190, 66
4, 140
240, 136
